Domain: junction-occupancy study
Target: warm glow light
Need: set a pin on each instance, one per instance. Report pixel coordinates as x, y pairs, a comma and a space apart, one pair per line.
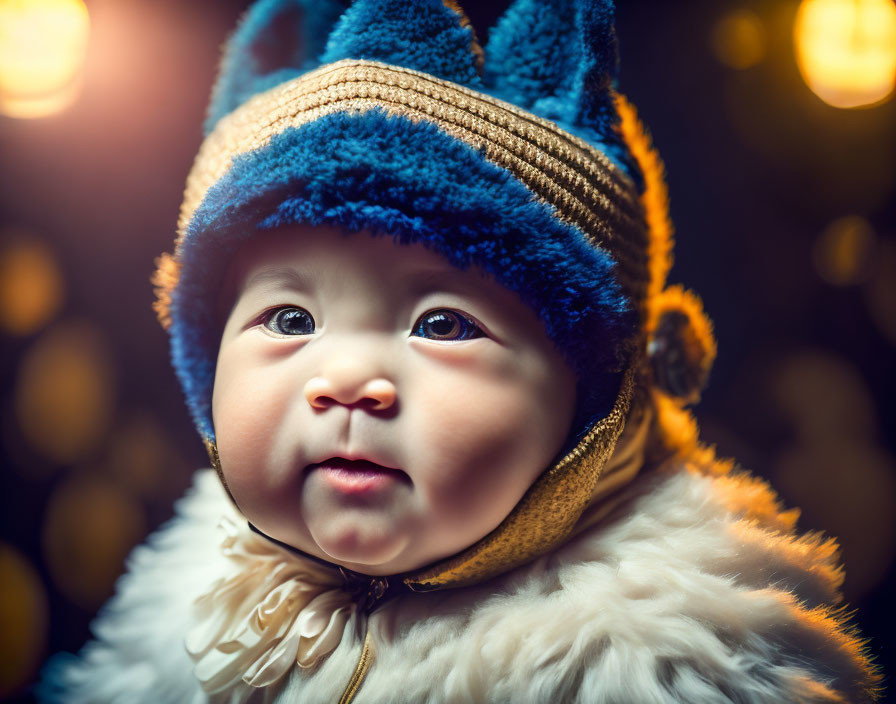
835, 470
30, 286
846, 50
738, 39
42, 48
138, 454
90, 526
844, 253
65, 393
825, 398
848, 488
23, 615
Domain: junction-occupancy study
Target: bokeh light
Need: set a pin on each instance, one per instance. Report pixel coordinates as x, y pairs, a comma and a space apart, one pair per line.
836, 471
89, 528
31, 290
824, 397
23, 620
65, 392
738, 39
850, 490
846, 50
844, 254
880, 292
43, 44
139, 453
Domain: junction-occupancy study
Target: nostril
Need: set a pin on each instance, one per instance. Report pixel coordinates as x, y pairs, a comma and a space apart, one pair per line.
370, 404
319, 393
372, 395
380, 393
322, 402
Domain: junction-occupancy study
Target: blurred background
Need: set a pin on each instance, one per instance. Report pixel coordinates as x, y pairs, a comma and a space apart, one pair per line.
778, 127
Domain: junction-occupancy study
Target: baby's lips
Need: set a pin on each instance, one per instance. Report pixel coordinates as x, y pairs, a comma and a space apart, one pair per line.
358, 477
358, 466
357, 460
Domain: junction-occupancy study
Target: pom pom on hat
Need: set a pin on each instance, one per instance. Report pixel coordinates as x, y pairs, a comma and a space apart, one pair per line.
680, 344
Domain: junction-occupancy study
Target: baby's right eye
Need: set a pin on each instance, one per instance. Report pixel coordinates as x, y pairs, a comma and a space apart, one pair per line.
289, 320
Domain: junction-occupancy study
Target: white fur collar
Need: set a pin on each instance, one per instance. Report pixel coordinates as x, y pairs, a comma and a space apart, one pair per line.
696, 589
274, 611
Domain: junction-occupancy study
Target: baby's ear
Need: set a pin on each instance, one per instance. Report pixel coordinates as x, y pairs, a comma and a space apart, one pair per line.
275, 40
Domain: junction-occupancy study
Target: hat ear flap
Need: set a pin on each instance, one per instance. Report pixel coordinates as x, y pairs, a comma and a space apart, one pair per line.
680, 344
275, 40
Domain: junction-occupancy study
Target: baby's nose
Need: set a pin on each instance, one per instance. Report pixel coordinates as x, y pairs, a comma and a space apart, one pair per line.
344, 381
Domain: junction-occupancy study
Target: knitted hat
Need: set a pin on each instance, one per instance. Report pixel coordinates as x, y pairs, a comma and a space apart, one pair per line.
521, 160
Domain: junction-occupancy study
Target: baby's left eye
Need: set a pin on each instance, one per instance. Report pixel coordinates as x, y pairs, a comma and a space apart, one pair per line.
446, 324
289, 320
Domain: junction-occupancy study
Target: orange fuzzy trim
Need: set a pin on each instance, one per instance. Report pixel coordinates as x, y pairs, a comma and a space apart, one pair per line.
164, 280
675, 430
678, 298
654, 200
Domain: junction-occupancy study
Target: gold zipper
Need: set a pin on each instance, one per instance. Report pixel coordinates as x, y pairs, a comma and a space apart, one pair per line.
354, 684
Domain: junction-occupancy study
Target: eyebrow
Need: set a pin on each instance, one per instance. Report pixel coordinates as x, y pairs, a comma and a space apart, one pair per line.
418, 281
451, 279
279, 275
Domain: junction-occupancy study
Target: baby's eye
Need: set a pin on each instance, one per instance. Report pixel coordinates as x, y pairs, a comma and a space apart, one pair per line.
445, 324
289, 321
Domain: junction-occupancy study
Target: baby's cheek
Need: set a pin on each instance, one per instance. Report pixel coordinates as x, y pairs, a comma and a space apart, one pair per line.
499, 394
246, 406
491, 425
476, 427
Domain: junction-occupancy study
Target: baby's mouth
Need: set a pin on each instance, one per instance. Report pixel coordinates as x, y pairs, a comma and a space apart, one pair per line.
357, 476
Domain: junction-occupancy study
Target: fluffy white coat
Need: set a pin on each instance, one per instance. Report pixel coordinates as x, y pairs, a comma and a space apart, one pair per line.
695, 589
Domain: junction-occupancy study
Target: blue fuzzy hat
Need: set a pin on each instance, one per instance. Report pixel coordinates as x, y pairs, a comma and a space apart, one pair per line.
387, 116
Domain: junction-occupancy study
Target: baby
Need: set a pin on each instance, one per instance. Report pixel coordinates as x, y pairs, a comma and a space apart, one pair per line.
377, 407
418, 308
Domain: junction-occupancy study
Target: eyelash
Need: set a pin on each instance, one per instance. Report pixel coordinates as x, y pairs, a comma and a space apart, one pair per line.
462, 326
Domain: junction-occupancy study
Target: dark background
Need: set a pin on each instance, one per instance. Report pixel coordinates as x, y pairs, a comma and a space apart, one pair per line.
786, 226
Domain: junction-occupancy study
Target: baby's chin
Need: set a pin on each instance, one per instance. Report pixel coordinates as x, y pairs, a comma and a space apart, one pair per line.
365, 548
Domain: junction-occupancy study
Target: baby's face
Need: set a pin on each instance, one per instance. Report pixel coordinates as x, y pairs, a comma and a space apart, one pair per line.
375, 406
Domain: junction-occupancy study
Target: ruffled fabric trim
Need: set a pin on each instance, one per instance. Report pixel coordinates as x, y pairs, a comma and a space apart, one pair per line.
274, 610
